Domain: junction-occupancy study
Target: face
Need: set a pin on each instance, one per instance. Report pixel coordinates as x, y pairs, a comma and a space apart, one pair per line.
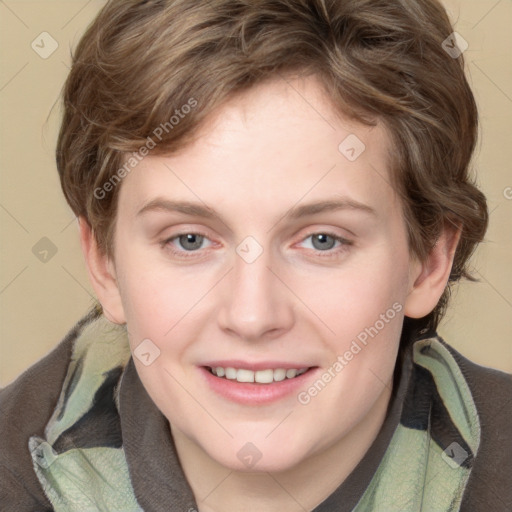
272, 242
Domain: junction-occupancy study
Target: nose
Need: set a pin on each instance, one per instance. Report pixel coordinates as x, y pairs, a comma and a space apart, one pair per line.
256, 305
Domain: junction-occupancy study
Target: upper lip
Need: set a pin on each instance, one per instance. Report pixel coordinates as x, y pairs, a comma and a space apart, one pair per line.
255, 366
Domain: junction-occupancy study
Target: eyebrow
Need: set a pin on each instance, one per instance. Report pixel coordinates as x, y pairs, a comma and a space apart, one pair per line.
297, 212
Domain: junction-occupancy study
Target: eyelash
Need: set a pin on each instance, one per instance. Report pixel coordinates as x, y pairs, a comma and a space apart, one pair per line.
331, 253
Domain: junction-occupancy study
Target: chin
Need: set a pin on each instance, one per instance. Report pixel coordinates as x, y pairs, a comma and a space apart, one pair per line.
251, 458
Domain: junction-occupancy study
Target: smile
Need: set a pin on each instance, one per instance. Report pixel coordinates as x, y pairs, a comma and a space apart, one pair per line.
260, 376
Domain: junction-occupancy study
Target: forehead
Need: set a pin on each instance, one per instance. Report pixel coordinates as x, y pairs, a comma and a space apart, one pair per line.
278, 143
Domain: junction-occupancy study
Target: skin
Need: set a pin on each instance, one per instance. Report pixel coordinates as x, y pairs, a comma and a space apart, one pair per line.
265, 151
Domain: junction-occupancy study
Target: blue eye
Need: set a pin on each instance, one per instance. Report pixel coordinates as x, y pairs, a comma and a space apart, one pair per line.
326, 242
322, 241
184, 243
191, 241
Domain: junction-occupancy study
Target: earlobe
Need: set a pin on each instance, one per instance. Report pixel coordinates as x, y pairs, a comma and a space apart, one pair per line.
429, 278
101, 273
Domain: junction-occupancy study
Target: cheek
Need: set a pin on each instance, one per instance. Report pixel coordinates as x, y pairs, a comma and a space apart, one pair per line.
363, 306
153, 300
168, 305
356, 295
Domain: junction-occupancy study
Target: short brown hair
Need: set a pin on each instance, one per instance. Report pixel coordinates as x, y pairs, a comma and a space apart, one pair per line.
140, 61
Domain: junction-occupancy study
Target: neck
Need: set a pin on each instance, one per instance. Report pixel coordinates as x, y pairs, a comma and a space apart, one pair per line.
220, 489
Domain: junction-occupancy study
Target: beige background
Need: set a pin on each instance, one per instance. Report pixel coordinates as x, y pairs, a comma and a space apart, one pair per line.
40, 301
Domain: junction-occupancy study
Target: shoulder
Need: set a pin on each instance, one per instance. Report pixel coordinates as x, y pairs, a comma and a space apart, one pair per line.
25, 407
490, 483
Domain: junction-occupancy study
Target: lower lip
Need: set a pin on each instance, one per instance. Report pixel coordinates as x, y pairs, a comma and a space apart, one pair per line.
248, 393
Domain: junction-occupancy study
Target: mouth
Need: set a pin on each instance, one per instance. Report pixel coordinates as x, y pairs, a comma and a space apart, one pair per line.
266, 376
257, 384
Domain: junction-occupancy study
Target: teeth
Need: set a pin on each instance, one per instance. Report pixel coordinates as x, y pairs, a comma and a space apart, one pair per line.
279, 374
245, 376
230, 373
264, 376
260, 376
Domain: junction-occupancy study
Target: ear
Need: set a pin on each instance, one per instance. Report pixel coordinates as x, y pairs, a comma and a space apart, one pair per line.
429, 278
101, 274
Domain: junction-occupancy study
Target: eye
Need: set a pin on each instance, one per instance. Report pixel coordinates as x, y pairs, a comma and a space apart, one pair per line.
183, 243
326, 242
191, 241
